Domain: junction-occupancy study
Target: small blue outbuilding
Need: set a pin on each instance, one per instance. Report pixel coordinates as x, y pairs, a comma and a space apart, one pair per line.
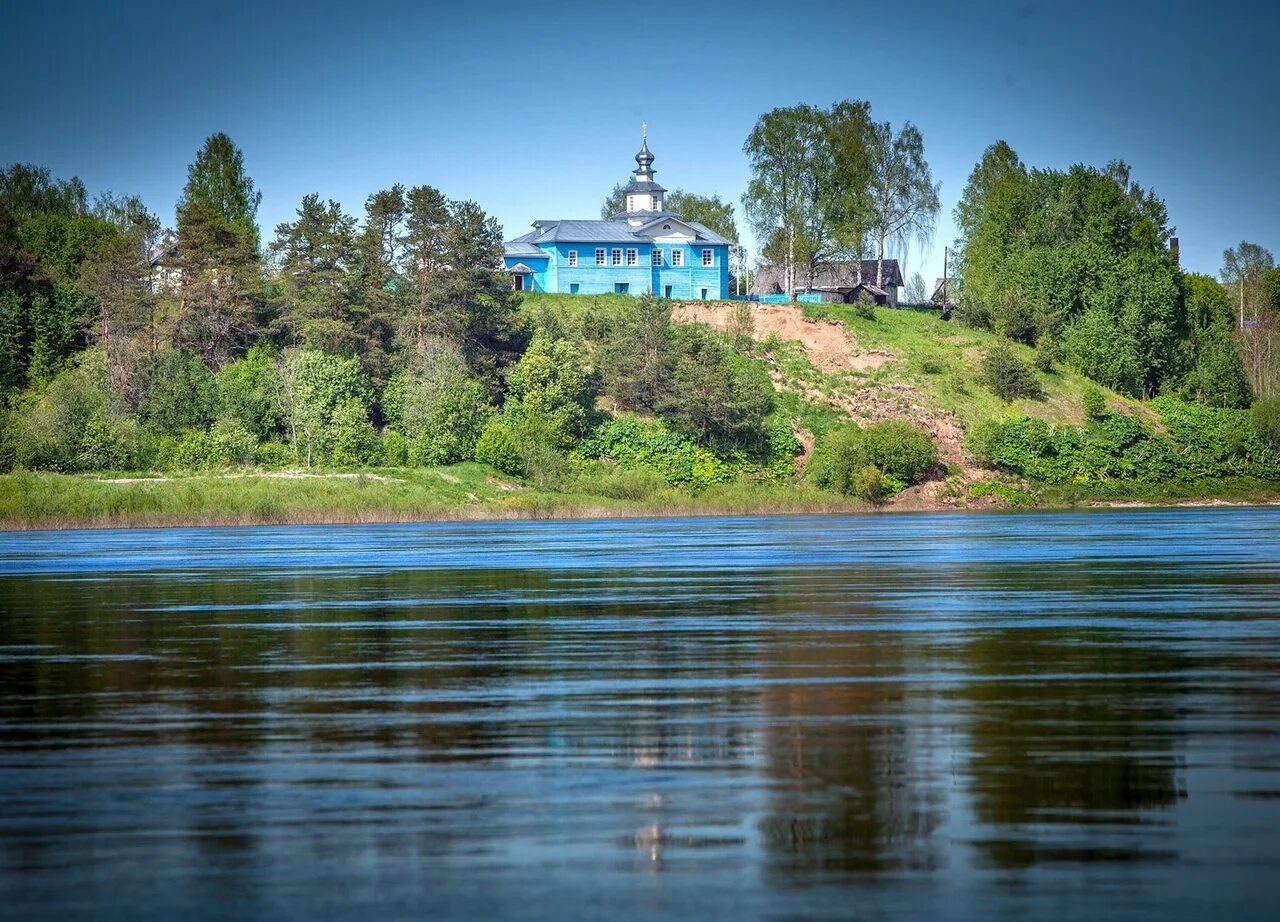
642, 250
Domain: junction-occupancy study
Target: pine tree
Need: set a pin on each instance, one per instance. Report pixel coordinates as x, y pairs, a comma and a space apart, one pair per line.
217, 179
315, 256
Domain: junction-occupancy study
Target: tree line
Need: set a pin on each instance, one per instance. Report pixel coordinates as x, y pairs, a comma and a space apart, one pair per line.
1079, 264
389, 338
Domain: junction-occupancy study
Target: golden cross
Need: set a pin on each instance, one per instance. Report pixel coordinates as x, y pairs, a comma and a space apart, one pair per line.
644, 130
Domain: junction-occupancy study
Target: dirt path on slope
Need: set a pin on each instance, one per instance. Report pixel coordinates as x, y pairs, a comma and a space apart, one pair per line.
829, 348
827, 343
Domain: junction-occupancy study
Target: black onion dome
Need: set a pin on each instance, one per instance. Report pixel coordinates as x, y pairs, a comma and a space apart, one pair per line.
645, 158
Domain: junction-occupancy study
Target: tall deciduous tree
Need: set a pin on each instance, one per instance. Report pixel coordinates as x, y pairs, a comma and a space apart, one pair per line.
614, 202
1243, 270
850, 138
1248, 271
1080, 254
26, 190
783, 200
709, 211
903, 198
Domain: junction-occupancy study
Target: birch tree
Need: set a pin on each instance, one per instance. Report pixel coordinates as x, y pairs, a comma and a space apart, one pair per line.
783, 149
903, 199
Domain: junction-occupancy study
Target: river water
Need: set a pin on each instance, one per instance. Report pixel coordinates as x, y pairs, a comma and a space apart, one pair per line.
1060, 715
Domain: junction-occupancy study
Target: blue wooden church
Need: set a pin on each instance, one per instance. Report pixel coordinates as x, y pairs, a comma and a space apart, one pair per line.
643, 250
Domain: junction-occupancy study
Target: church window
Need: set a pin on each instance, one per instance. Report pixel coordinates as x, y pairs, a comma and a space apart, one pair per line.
657, 257
707, 257
573, 258
633, 257
616, 258
677, 257
600, 256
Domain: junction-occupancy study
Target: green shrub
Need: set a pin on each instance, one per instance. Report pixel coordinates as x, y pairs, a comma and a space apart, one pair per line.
1217, 442
780, 448
969, 313
350, 437
633, 444
1006, 493
898, 451
105, 445
1048, 353
194, 450
742, 326
315, 386
224, 444
1007, 376
452, 423
1266, 421
180, 394
870, 484
1095, 405
275, 455
553, 381
932, 366
394, 449
814, 310
864, 309
1217, 378
1099, 349
540, 442
248, 391
497, 448
1113, 453
76, 423
233, 440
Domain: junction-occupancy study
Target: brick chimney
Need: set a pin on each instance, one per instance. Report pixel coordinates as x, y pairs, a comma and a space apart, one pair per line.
1173, 249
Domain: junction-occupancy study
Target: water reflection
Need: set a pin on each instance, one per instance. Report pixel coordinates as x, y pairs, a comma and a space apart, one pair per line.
741, 718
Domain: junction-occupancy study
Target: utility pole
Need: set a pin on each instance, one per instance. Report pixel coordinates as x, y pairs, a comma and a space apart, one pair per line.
944, 282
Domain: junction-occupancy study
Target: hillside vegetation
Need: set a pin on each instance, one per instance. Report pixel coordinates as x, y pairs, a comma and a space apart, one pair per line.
381, 367
829, 368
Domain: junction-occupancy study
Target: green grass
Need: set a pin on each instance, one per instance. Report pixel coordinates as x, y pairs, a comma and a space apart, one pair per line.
459, 492
942, 360
935, 369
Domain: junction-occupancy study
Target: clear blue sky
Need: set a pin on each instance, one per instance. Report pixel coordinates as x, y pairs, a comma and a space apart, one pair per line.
534, 109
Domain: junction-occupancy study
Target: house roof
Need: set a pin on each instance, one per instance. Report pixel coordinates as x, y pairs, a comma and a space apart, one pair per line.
832, 275
614, 231
643, 185
520, 269
645, 216
526, 250
167, 247
936, 297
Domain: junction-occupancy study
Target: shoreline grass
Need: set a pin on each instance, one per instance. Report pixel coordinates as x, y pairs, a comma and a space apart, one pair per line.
466, 492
